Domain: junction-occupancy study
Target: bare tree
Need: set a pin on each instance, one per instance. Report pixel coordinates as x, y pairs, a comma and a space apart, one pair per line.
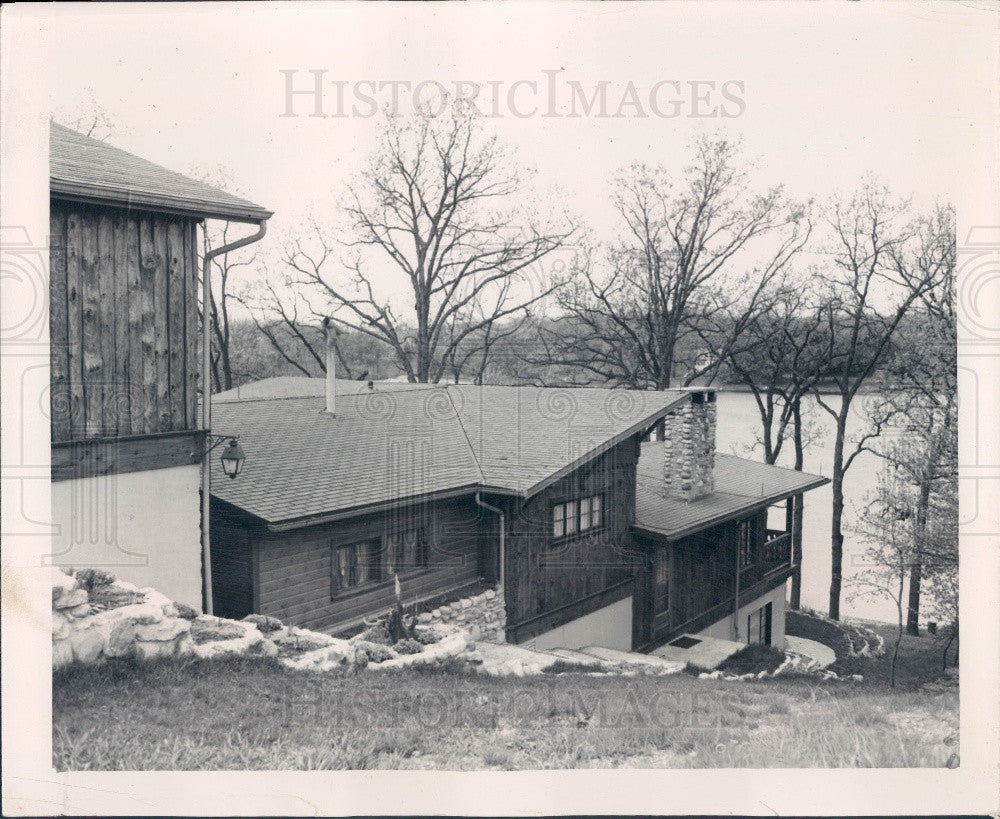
924, 391
658, 290
435, 208
473, 352
88, 117
872, 281
778, 361
912, 521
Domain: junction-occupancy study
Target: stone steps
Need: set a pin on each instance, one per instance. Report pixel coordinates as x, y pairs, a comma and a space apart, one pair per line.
614, 655
574, 656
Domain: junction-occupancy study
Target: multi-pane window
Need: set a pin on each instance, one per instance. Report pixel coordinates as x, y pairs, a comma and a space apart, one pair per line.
661, 582
746, 543
576, 516
357, 564
407, 550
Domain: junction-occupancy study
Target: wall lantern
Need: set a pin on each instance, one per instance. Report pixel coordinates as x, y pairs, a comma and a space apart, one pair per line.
232, 457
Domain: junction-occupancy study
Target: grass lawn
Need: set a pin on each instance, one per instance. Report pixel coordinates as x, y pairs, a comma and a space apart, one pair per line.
254, 714
919, 657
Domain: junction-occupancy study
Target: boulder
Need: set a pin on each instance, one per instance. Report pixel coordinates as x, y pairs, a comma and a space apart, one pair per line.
60, 626
155, 649
88, 644
303, 639
155, 597
338, 654
264, 623
121, 640
83, 610
62, 653
166, 629
70, 599
62, 583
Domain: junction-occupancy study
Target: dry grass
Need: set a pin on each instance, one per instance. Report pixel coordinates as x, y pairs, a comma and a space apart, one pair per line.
254, 714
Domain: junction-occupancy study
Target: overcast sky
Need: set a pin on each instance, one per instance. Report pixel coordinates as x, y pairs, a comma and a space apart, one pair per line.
828, 91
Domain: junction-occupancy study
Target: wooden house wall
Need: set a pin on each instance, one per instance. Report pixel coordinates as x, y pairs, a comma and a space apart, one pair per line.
232, 565
124, 322
702, 584
292, 570
551, 583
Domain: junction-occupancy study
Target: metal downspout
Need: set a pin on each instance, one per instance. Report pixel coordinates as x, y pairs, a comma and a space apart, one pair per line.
736, 598
206, 402
503, 539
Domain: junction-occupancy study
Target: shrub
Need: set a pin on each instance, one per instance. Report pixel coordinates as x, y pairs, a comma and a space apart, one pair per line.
376, 633
571, 667
408, 647
186, 611
91, 579
108, 597
753, 659
428, 636
265, 624
375, 652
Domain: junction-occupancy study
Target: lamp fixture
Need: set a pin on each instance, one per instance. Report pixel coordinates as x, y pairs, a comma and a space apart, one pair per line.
232, 457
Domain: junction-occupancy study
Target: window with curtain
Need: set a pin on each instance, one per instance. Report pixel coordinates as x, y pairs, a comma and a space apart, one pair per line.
407, 550
355, 565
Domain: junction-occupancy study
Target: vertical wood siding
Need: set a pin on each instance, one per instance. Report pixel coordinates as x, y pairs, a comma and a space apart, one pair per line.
123, 322
703, 580
544, 577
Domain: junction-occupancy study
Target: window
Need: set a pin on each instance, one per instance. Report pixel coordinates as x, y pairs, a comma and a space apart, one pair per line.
358, 564
574, 516
746, 545
661, 582
407, 550
759, 625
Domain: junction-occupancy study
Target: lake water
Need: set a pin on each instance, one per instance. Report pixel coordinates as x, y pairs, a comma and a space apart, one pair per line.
739, 424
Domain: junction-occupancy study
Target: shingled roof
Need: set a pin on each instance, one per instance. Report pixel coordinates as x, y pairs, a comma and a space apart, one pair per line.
741, 486
88, 170
391, 444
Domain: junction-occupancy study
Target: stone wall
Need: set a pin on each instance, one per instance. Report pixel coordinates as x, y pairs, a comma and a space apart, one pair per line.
484, 615
689, 448
96, 617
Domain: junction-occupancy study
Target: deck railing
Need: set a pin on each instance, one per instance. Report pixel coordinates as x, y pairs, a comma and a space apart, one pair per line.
772, 554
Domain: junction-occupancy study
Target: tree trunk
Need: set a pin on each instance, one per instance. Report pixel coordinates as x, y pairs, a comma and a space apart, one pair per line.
916, 570
795, 599
836, 532
913, 603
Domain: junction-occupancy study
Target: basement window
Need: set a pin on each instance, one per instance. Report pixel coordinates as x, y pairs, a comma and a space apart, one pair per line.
571, 517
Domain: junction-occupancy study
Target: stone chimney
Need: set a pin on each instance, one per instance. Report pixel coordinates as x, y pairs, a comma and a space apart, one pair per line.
331, 366
689, 448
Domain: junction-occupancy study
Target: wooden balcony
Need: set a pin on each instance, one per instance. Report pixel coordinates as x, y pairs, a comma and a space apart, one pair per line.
773, 554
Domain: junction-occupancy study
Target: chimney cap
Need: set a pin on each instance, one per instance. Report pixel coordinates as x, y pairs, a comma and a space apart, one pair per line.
701, 396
